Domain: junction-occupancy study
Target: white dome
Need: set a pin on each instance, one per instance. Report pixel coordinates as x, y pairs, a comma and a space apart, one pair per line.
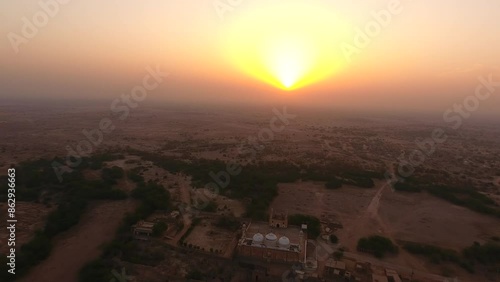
257, 238
271, 240
284, 242
271, 237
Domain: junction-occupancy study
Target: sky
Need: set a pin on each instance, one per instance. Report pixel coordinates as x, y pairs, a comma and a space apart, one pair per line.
364, 54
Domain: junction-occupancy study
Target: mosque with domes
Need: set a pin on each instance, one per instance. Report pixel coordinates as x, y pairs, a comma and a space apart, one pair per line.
273, 241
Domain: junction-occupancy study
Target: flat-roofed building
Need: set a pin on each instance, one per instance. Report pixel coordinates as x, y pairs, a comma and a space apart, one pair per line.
142, 230
334, 268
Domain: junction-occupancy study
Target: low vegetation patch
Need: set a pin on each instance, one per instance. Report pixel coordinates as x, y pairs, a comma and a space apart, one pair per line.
461, 195
313, 224
439, 255
487, 254
333, 184
334, 239
159, 228
228, 223
37, 178
153, 197
377, 245
257, 182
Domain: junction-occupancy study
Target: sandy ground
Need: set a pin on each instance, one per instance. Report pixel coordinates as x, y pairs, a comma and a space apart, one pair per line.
330, 205
424, 218
81, 244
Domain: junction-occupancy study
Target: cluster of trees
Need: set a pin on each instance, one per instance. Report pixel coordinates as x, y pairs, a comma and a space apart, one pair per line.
377, 245
228, 223
159, 228
334, 239
134, 252
67, 215
37, 176
257, 182
313, 224
134, 175
466, 197
407, 187
73, 195
486, 254
438, 255
195, 274
98, 270
152, 197
97, 161
111, 175
334, 183
33, 177
337, 174
210, 207
359, 179
460, 195
435, 254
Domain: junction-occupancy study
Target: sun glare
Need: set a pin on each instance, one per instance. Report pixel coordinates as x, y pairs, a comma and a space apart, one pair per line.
271, 45
288, 61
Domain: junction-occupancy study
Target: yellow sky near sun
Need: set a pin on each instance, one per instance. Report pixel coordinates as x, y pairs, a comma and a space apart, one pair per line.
96, 48
283, 49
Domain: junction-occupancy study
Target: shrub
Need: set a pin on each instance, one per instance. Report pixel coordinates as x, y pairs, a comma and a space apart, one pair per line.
96, 271
159, 228
333, 184
228, 223
313, 224
377, 245
210, 207
488, 253
406, 187
338, 255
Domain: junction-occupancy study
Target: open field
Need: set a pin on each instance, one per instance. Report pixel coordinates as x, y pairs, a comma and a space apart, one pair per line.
421, 218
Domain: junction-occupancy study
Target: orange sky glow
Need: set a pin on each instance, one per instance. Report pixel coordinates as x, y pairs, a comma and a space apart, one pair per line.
388, 54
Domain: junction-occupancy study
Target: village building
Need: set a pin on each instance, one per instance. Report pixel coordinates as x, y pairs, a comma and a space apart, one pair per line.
274, 241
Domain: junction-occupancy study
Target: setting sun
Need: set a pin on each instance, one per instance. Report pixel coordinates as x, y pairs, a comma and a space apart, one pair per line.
288, 62
283, 52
